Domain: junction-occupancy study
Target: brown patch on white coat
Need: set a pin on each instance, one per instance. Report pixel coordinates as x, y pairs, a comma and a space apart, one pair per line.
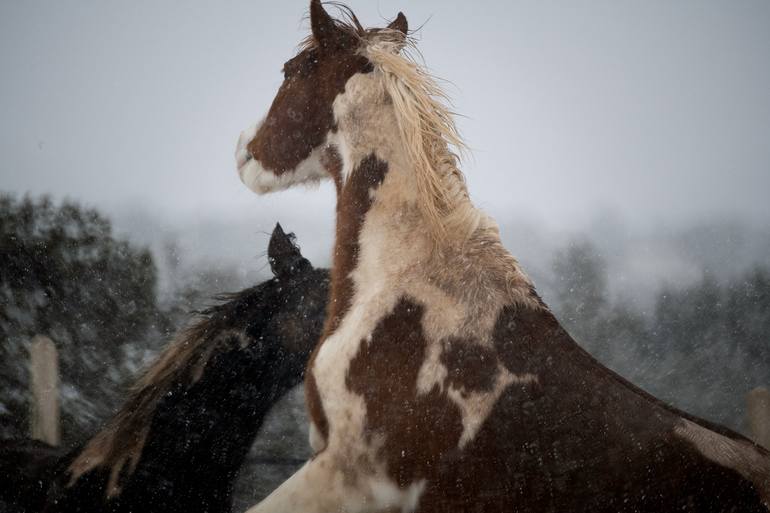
442, 382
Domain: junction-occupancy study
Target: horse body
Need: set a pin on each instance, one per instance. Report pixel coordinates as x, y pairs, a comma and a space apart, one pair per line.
178, 443
581, 438
442, 382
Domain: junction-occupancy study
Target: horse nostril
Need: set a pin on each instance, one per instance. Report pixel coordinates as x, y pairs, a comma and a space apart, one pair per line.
244, 157
242, 154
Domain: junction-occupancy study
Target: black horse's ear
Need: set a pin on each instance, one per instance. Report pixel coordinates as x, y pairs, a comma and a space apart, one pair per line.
325, 30
400, 24
283, 254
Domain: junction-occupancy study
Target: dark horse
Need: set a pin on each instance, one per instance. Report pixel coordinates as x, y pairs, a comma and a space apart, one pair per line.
27, 468
179, 441
442, 382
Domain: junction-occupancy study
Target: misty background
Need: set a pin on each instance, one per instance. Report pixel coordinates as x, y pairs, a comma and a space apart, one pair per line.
623, 147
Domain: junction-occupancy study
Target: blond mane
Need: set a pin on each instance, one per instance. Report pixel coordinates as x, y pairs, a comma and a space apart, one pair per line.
428, 131
426, 123
118, 446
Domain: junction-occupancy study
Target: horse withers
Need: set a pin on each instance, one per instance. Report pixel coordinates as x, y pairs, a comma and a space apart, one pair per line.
179, 441
442, 382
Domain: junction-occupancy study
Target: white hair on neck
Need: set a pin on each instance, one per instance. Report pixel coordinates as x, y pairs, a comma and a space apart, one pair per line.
428, 131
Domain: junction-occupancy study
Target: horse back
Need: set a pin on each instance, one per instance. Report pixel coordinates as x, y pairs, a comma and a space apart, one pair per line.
581, 438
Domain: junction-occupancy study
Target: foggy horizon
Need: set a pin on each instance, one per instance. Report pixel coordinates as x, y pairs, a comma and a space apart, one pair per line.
620, 123
623, 148
655, 110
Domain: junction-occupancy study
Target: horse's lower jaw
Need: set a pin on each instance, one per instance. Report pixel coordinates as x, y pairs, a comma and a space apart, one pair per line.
250, 171
262, 180
259, 179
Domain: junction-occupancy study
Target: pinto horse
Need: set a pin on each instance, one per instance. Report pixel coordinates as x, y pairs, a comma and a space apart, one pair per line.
442, 382
180, 440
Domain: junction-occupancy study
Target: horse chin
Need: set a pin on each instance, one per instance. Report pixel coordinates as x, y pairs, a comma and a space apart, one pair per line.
257, 178
262, 180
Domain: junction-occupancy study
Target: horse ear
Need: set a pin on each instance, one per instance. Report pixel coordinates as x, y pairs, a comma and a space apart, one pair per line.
282, 253
325, 30
400, 24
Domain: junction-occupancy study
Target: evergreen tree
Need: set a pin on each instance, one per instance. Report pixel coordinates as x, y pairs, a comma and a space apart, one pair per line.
65, 275
704, 348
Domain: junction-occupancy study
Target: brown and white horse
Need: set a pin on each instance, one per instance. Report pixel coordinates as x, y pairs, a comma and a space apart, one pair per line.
442, 382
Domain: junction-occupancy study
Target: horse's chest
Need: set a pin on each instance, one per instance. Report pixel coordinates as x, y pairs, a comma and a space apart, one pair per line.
367, 372
373, 386
343, 409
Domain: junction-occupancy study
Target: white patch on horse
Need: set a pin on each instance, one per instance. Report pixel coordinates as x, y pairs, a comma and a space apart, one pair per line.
317, 486
242, 155
738, 455
317, 441
262, 180
345, 410
387, 495
338, 141
475, 407
432, 372
364, 99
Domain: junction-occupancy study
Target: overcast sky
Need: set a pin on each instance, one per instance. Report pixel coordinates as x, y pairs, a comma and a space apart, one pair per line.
650, 110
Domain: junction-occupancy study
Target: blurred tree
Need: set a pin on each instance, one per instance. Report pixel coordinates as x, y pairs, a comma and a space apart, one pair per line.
615, 334
581, 289
747, 317
702, 350
65, 275
714, 339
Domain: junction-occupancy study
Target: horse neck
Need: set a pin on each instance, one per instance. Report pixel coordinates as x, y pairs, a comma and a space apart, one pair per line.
381, 230
208, 413
386, 245
199, 434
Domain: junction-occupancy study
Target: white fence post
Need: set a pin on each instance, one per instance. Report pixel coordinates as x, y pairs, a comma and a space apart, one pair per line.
758, 402
44, 380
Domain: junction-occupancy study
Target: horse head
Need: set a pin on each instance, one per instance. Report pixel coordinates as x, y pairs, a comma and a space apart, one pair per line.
299, 141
